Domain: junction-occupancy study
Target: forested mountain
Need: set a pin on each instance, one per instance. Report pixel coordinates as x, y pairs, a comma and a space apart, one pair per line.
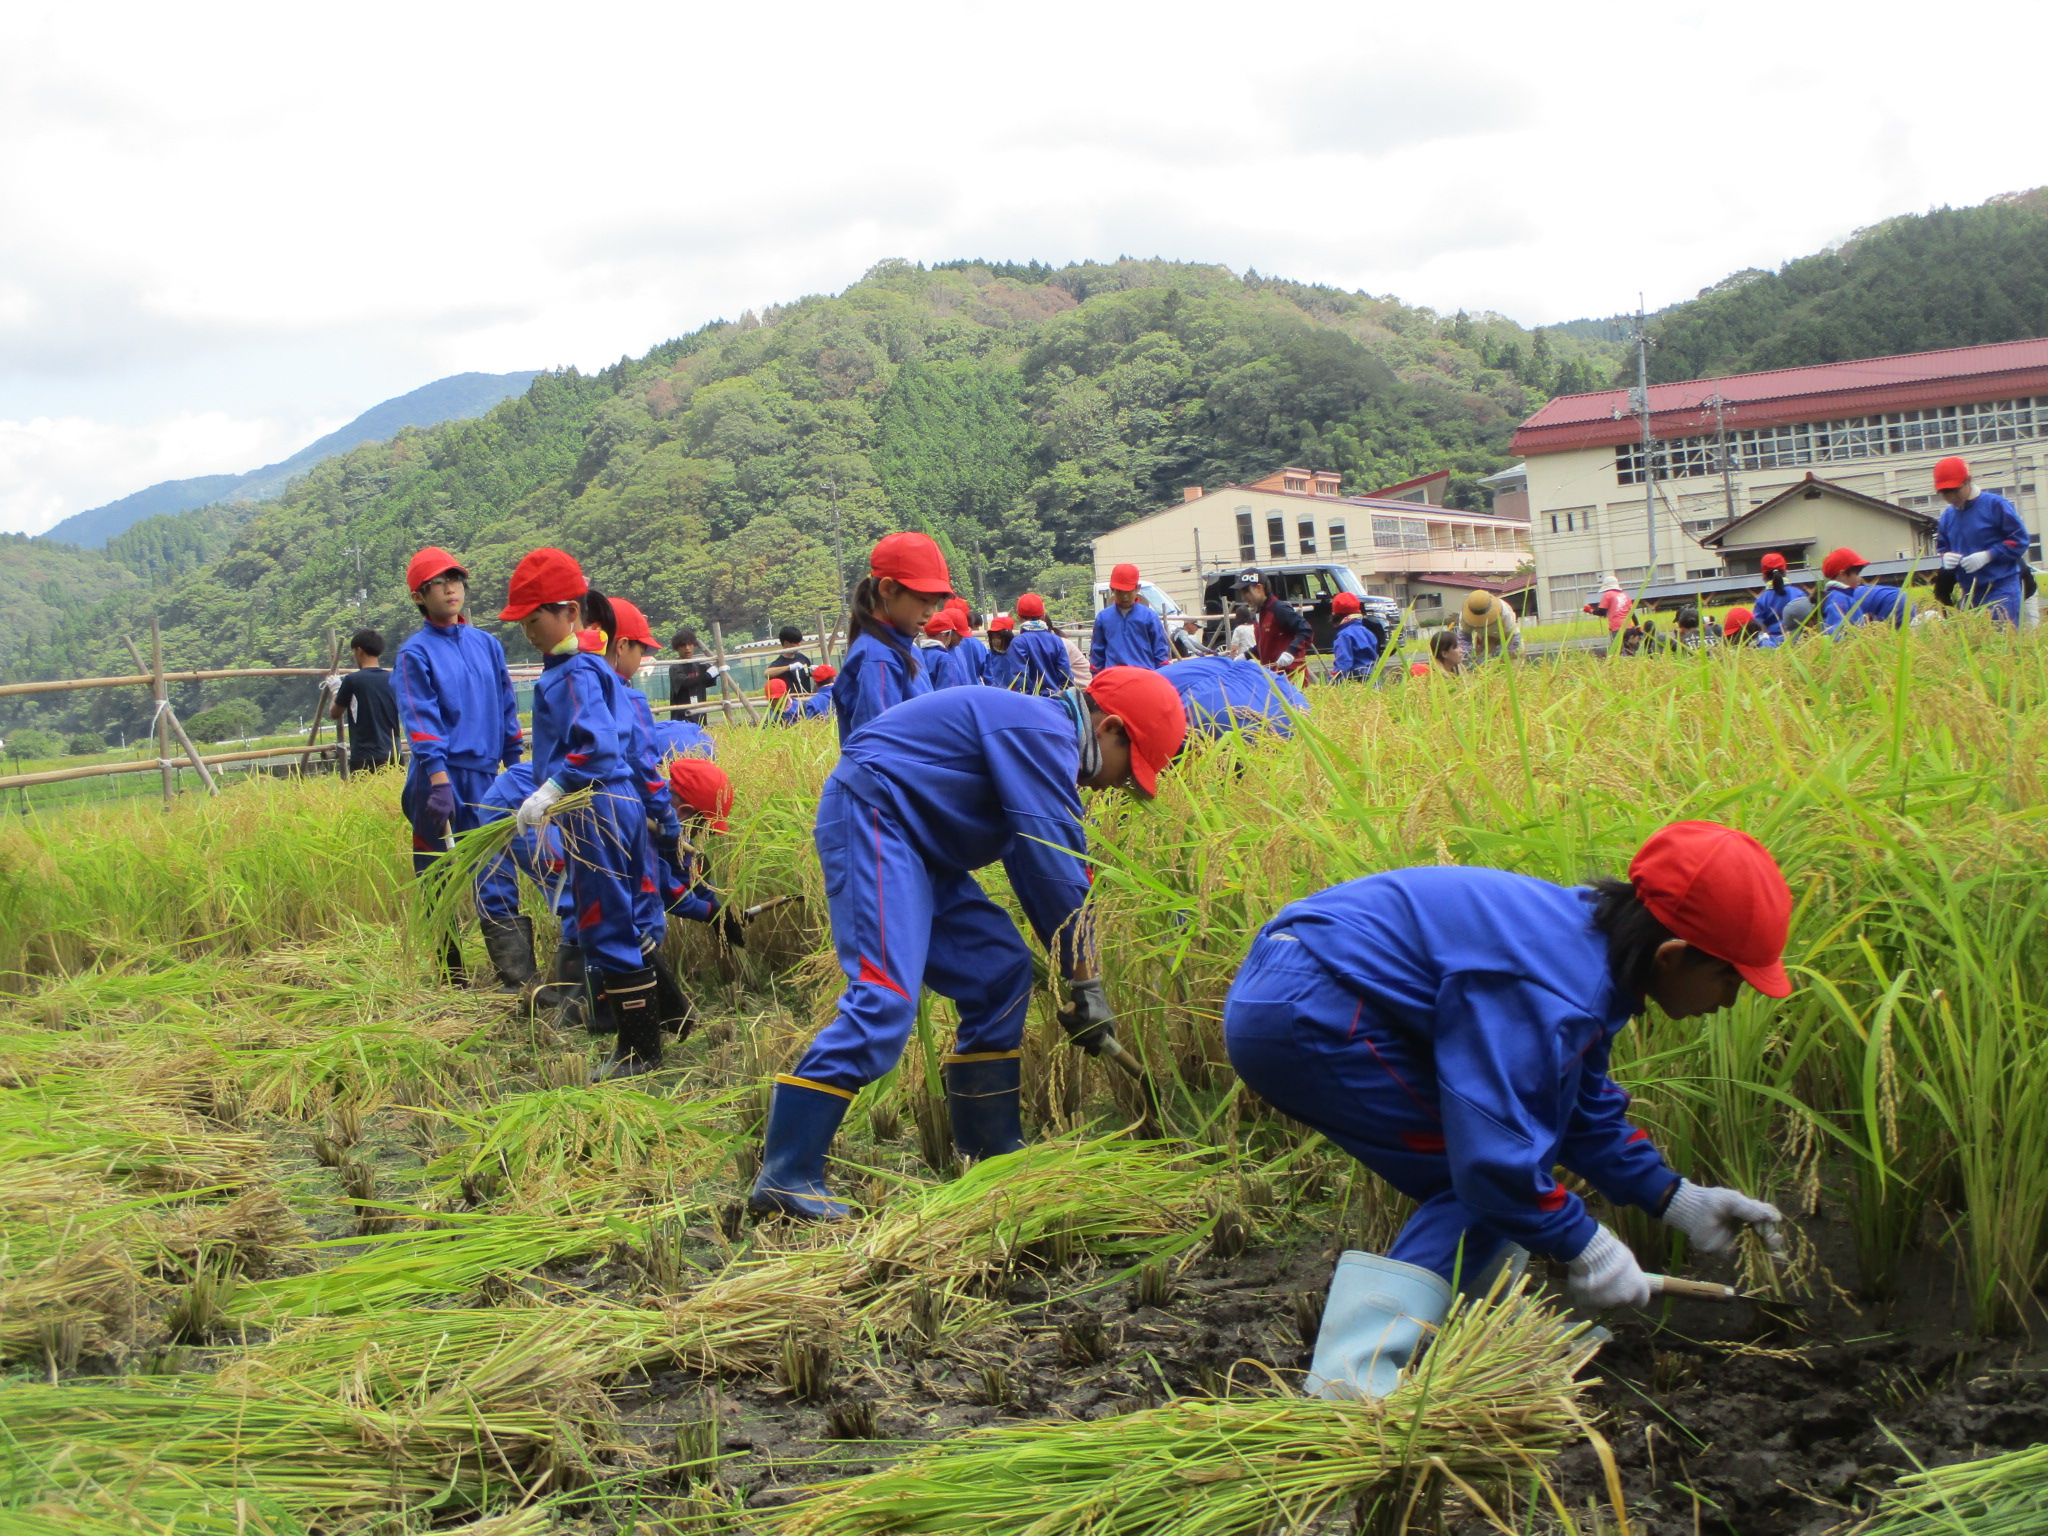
450, 399
1956, 277
1011, 410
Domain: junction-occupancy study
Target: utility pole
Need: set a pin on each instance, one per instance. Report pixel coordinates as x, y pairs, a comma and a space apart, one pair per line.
1642, 404
1720, 403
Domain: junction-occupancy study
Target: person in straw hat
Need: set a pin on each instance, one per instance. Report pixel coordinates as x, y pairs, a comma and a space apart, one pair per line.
1489, 628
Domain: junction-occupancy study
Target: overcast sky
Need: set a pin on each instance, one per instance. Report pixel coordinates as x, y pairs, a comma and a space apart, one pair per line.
226, 229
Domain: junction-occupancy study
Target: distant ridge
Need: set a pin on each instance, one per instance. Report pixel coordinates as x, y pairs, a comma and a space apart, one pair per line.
455, 398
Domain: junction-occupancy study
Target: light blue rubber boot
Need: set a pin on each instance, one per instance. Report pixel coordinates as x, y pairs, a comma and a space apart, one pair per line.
1379, 1313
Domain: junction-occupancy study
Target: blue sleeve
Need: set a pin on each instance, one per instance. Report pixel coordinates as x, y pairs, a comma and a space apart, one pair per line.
591, 735
1044, 860
2010, 541
514, 747
875, 688
419, 710
1601, 1147
1162, 653
1497, 1074
1058, 669
1944, 531
1098, 643
1834, 609
654, 795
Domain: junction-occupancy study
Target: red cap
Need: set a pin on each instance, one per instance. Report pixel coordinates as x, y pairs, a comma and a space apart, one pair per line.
1153, 717
1720, 891
777, 688
958, 606
1774, 561
704, 788
1030, 606
1001, 621
1950, 473
1840, 560
1124, 578
914, 560
1346, 602
941, 623
1418, 669
1737, 617
824, 672
545, 576
429, 563
633, 624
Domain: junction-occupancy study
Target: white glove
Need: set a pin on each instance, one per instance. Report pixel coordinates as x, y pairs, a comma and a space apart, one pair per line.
1713, 1218
1606, 1274
1978, 561
534, 808
1285, 661
1950, 559
331, 683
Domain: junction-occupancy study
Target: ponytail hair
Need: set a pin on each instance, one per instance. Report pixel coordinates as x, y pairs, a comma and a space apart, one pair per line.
1777, 581
599, 614
862, 619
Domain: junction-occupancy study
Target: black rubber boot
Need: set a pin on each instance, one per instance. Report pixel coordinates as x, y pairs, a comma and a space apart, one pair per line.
509, 943
628, 996
566, 991
678, 1015
453, 971
984, 1096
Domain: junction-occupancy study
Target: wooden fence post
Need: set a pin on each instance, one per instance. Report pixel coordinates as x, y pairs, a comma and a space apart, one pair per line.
825, 643
320, 705
169, 716
725, 683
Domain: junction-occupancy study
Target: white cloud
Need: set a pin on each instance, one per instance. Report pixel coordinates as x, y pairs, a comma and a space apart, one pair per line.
53, 466
281, 211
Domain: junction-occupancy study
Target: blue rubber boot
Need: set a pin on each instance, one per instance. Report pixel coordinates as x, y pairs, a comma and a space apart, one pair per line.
803, 1117
984, 1097
1379, 1313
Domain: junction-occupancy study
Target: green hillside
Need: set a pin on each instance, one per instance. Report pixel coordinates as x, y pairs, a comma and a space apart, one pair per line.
1955, 277
1013, 411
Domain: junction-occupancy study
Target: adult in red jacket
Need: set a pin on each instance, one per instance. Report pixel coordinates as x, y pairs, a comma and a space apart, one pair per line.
1284, 636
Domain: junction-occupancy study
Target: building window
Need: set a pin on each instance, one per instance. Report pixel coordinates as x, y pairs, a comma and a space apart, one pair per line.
1247, 541
1329, 485
1295, 483
1429, 600
1568, 520
1276, 535
1306, 528
1568, 594
1400, 533
1339, 544
1799, 445
1708, 574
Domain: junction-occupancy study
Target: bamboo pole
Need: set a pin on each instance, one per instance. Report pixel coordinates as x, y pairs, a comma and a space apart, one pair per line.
825, 643
96, 770
320, 706
145, 677
725, 674
171, 715
162, 694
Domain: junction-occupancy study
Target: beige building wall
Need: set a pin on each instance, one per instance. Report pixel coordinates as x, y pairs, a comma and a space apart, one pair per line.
1601, 525
1179, 546
1834, 523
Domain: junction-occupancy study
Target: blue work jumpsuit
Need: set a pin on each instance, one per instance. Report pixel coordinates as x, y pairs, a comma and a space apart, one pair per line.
970, 660
1041, 658
1134, 639
576, 742
1221, 694
1769, 609
658, 826
1005, 668
497, 884
460, 715
1867, 604
874, 677
1986, 521
934, 789
1354, 651
683, 738
1450, 1028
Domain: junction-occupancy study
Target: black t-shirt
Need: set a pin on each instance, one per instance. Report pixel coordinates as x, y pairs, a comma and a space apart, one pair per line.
371, 710
689, 681
799, 674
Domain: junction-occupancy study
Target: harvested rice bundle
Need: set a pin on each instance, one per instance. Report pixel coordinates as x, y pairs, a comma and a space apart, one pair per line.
1493, 1399
1996, 1496
134, 1139
592, 1134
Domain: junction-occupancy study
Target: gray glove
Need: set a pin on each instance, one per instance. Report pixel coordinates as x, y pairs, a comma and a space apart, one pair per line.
1087, 1019
1712, 1218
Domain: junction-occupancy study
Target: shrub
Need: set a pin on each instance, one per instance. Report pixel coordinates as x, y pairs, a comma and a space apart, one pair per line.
228, 719
33, 741
86, 744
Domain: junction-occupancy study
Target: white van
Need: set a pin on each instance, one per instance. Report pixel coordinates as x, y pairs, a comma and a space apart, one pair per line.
1148, 594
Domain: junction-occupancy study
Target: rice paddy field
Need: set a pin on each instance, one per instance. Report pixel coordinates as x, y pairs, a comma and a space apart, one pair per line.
294, 1239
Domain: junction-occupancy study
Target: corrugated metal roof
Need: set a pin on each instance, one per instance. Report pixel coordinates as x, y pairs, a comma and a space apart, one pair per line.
1907, 381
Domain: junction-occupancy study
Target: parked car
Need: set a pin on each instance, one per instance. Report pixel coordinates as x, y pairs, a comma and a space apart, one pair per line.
1309, 588
1148, 594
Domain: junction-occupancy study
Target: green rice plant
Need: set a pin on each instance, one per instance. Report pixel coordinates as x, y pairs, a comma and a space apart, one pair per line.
135, 1141
1495, 1398
1996, 1496
591, 1134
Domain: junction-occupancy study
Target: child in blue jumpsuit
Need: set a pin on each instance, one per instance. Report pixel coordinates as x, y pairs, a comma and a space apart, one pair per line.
576, 745
934, 789
1981, 538
1851, 600
536, 854
935, 652
1004, 668
970, 657
1221, 694
1355, 648
1768, 610
1450, 1028
456, 703
1127, 633
1041, 655
819, 704
906, 581
705, 790
684, 738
